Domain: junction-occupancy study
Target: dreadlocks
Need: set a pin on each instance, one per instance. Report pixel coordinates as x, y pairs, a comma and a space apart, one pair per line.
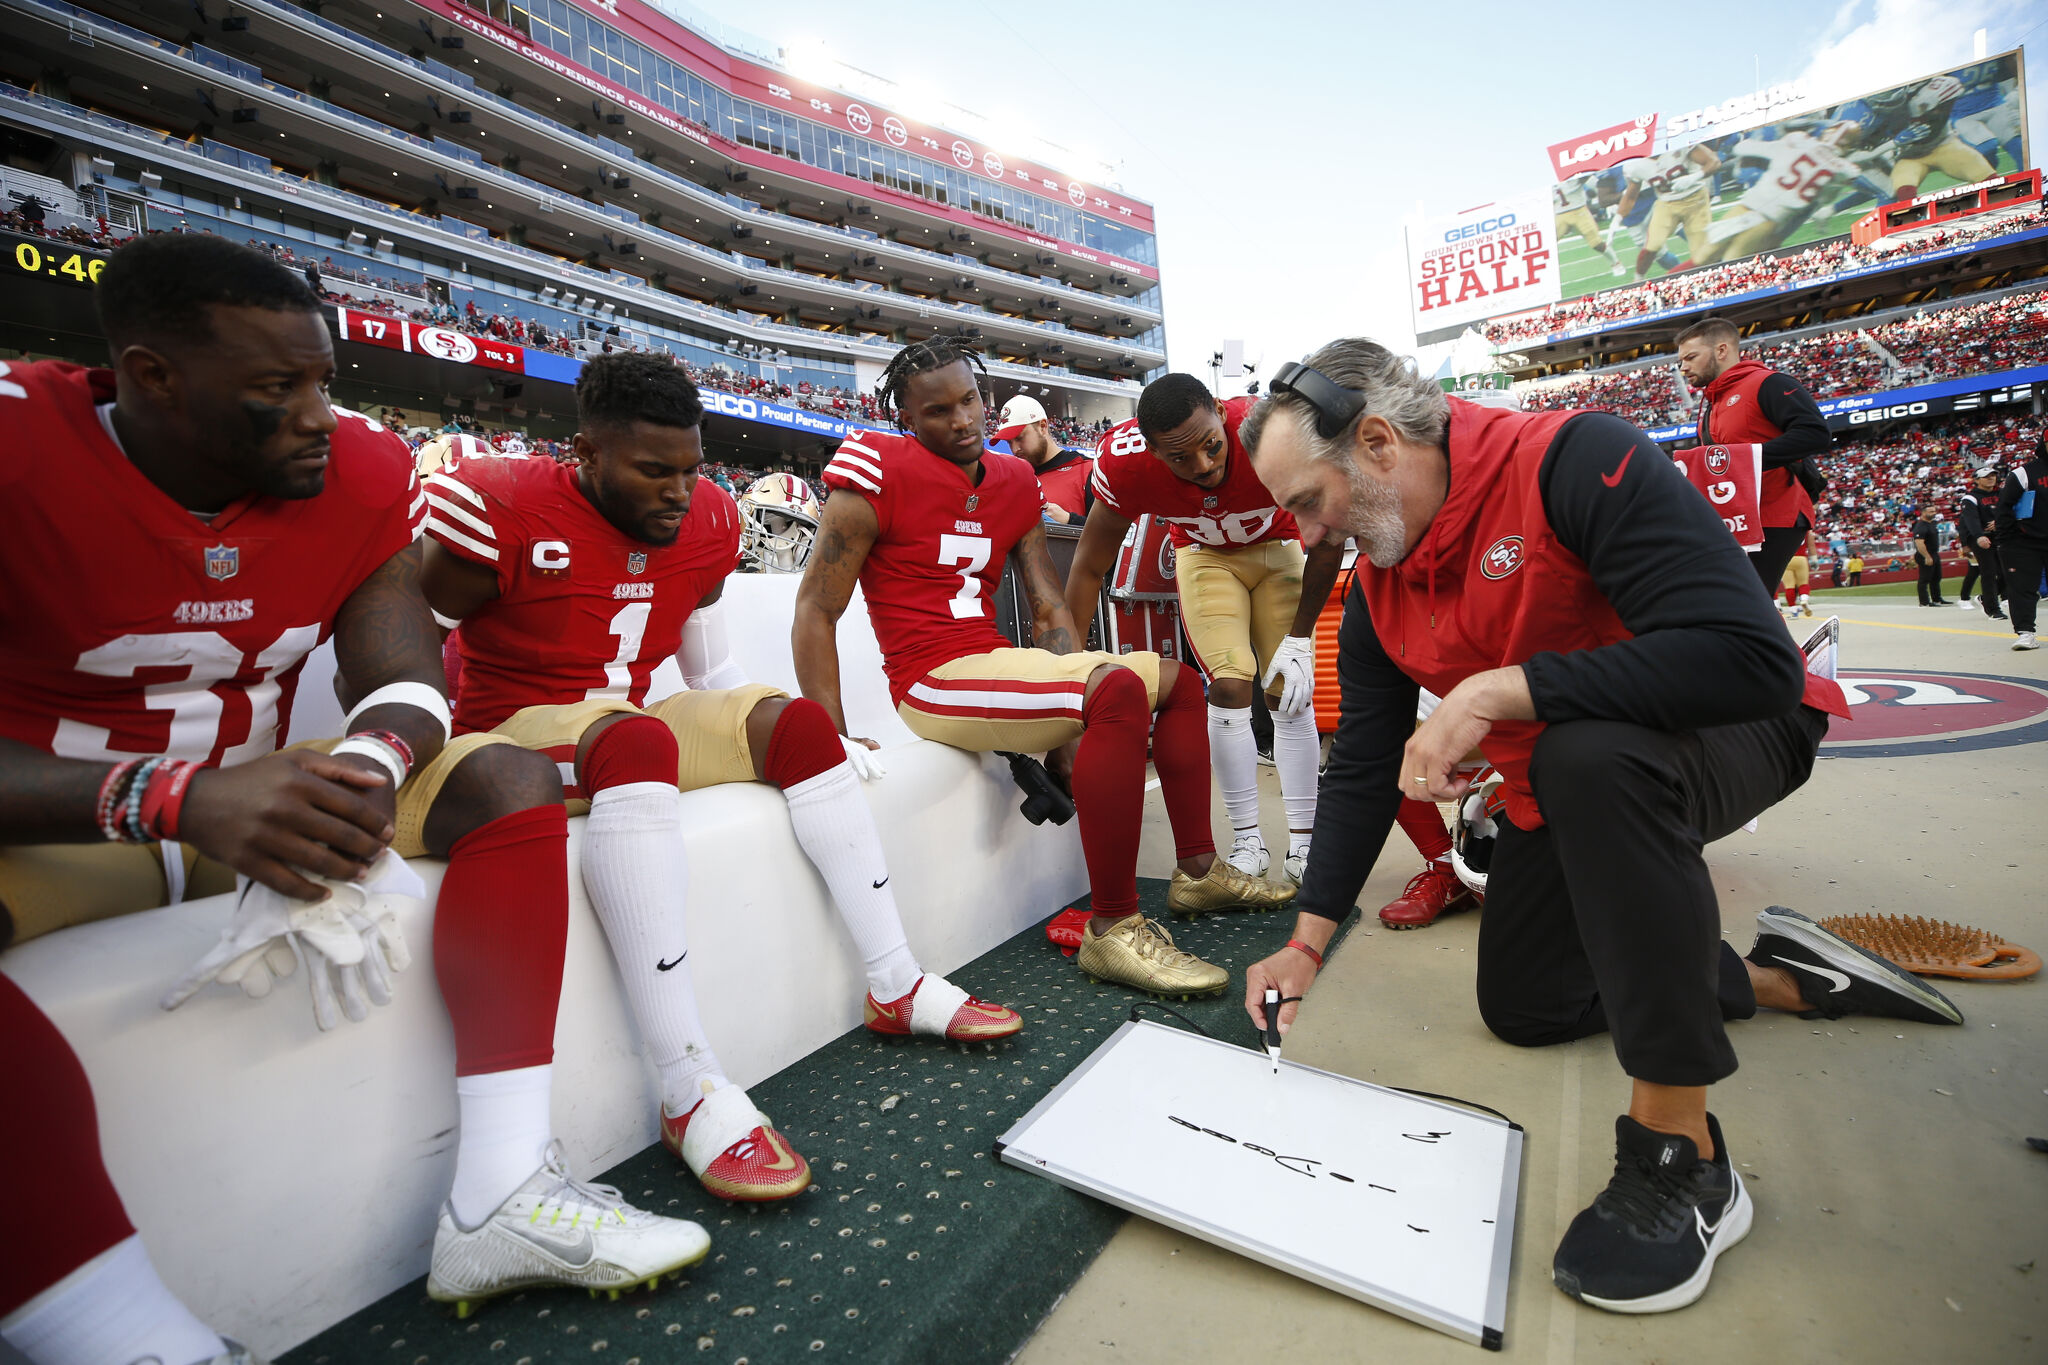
921, 357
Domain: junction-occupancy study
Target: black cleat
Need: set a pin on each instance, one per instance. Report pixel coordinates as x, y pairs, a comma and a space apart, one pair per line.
1649, 1241
1836, 977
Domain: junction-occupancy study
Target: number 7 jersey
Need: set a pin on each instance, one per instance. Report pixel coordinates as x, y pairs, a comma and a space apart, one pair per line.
930, 578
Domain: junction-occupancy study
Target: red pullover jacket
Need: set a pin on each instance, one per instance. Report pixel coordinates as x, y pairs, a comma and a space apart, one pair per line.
1753, 404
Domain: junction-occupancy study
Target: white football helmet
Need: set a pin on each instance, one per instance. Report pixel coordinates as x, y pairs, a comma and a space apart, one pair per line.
778, 522
444, 451
1472, 833
1935, 92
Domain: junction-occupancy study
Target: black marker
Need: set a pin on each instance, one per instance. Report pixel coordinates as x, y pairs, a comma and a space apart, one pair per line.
1273, 1027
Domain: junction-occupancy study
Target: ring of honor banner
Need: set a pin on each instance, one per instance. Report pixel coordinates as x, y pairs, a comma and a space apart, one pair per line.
1498, 258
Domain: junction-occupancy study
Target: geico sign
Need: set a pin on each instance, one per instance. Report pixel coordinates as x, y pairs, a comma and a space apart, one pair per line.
1594, 148
1484, 225
731, 405
1887, 414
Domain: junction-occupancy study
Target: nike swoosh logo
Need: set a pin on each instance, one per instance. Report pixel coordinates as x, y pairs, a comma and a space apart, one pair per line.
1612, 480
1841, 979
882, 883
661, 966
785, 1160
575, 1252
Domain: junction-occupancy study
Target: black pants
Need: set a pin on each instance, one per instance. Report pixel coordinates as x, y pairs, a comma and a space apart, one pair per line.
1930, 584
1780, 544
1856, 579
1605, 919
2022, 561
1990, 574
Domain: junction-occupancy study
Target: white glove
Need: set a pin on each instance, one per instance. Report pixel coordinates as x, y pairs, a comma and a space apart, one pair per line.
1294, 663
352, 936
866, 762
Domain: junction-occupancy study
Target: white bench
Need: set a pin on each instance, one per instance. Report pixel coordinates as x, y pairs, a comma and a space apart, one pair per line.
283, 1179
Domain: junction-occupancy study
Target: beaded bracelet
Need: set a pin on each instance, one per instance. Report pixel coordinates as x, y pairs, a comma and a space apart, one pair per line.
132, 831
109, 799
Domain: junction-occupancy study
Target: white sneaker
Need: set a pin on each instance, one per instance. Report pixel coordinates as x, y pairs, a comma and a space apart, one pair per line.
1295, 866
557, 1230
2025, 640
1248, 855
1965, 603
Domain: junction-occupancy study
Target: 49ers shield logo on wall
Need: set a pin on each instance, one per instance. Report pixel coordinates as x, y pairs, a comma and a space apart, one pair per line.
1503, 557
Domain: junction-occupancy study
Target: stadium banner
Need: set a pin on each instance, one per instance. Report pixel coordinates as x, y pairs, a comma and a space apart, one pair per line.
1477, 383
400, 334
1478, 263
1977, 393
1777, 173
1608, 147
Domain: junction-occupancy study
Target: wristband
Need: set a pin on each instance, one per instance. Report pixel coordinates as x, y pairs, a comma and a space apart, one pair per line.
415, 694
377, 751
395, 740
173, 807
1313, 955
129, 816
109, 799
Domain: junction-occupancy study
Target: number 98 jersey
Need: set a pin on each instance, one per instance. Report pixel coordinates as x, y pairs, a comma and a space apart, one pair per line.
1236, 513
134, 626
930, 578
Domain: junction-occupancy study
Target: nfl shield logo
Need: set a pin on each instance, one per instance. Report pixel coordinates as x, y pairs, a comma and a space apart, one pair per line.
973, 501
636, 562
1209, 502
223, 562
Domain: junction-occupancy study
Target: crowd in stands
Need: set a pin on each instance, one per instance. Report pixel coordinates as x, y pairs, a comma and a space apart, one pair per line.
1976, 338
30, 223
1872, 484
1735, 277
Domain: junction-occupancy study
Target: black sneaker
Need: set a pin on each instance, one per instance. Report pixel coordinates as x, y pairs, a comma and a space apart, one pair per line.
1649, 1241
1836, 977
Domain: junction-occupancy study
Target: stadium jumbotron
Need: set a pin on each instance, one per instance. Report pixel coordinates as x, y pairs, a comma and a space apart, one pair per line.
636, 653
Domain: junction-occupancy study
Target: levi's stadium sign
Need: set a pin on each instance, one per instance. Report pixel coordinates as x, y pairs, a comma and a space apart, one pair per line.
1608, 147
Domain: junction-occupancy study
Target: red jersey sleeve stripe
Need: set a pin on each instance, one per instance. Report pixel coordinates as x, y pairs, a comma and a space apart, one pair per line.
445, 484
852, 475
456, 512
871, 465
456, 540
1102, 488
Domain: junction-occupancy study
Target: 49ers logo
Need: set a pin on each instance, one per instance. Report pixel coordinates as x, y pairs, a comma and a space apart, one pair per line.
1717, 460
1503, 557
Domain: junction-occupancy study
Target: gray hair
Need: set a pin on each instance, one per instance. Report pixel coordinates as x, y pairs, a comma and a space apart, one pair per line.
1393, 387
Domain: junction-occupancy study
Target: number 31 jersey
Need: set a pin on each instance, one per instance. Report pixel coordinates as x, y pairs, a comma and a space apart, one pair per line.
930, 578
1236, 513
133, 626
583, 610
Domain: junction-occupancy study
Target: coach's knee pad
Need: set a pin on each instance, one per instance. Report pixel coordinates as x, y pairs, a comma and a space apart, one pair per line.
805, 743
636, 749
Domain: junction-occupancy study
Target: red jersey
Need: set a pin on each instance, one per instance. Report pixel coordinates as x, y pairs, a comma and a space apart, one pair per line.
1064, 482
583, 609
1237, 512
136, 627
930, 578
1729, 477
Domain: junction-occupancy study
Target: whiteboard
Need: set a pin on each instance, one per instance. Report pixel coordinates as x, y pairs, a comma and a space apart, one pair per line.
1400, 1202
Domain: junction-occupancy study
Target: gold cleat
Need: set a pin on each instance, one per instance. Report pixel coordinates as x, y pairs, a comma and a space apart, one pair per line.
1223, 887
1138, 952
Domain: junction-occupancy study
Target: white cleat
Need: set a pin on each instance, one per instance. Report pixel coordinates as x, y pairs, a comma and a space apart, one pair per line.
1248, 855
2025, 640
1296, 866
556, 1230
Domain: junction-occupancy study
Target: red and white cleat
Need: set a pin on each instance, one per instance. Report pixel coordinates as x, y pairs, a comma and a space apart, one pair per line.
730, 1147
1433, 891
937, 1007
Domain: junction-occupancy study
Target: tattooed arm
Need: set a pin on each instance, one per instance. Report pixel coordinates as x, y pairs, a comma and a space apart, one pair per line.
1052, 626
845, 536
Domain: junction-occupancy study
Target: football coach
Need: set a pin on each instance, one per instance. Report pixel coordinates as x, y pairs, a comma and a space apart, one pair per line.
1594, 630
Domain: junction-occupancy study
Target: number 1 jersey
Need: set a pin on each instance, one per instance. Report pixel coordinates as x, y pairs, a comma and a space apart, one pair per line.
133, 626
583, 610
931, 576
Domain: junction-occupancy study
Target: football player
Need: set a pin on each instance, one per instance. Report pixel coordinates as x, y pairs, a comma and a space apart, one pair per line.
1800, 173
1914, 124
924, 522
570, 584
1571, 200
1987, 115
1249, 598
184, 529
1680, 180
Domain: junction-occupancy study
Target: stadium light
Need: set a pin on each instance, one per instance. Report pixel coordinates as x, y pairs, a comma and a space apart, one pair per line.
151, 179
549, 292
384, 244
357, 237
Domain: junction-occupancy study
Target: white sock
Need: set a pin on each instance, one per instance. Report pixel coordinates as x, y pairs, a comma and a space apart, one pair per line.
503, 1139
837, 831
1297, 750
112, 1308
639, 883
1235, 756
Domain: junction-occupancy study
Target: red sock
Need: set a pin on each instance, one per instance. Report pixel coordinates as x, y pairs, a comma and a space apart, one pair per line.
1180, 755
1643, 259
1109, 790
50, 1132
1424, 827
500, 928
636, 749
805, 744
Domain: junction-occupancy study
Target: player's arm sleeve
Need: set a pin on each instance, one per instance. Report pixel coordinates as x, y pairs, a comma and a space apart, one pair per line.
1708, 647
472, 523
857, 467
1361, 789
1791, 409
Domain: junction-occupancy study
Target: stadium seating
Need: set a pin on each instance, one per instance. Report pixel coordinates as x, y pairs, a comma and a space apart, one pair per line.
283, 1179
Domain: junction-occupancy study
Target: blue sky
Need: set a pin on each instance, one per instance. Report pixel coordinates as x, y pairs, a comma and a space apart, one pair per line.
1282, 155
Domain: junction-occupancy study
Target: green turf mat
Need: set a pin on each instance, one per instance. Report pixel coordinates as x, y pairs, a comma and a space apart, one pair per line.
914, 1243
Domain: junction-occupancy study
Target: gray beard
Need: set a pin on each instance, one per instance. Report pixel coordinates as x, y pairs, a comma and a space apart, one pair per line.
1375, 519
